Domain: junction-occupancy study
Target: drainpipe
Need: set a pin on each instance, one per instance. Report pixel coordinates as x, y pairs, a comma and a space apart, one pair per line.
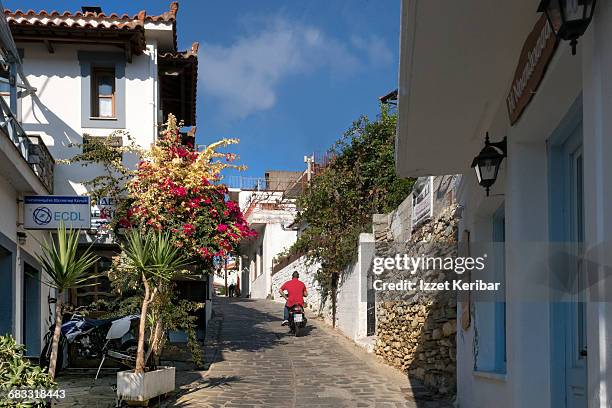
154, 73
18, 277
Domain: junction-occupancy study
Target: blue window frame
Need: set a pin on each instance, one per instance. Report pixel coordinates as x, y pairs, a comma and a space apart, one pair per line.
92, 64
490, 336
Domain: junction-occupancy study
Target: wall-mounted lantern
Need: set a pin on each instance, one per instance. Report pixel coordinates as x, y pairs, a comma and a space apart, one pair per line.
568, 18
488, 161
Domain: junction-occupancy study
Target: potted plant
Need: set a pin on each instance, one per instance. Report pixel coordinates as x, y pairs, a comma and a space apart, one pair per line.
154, 260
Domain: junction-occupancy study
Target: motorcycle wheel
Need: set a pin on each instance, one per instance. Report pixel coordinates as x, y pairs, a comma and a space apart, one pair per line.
298, 330
45, 355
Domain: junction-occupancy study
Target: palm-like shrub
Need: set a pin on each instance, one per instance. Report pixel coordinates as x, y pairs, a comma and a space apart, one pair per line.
154, 259
66, 269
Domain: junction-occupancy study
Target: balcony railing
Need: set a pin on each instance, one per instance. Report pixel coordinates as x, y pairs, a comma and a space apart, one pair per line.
289, 186
31, 148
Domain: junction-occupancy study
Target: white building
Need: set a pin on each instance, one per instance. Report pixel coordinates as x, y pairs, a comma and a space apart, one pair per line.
483, 66
93, 74
26, 168
269, 207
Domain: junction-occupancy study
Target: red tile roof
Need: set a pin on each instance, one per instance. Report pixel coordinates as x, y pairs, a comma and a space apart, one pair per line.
79, 17
89, 20
182, 55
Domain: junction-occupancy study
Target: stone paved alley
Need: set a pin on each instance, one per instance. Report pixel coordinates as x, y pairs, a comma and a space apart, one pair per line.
255, 362
259, 364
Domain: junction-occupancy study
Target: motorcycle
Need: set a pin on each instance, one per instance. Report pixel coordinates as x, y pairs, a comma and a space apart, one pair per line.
297, 320
115, 339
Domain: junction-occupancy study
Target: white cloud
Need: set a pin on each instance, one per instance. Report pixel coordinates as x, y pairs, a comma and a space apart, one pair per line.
244, 77
375, 48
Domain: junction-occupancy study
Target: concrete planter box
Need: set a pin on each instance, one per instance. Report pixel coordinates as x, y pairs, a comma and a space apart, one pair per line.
143, 387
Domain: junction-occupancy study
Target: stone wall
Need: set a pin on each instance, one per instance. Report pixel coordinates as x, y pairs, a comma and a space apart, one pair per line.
417, 332
351, 304
315, 300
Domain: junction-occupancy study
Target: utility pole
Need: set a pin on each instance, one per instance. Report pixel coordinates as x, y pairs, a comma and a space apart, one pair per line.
309, 160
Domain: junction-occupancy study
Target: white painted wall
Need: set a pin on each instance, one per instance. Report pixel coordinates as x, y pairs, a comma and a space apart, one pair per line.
524, 188
314, 301
597, 101
55, 112
273, 239
8, 226
351, 306
273, 235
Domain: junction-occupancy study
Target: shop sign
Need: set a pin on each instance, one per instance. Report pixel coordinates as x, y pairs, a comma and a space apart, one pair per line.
537, 52
48, 212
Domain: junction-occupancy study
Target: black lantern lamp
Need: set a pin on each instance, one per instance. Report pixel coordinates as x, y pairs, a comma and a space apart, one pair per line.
488, 161
568, 18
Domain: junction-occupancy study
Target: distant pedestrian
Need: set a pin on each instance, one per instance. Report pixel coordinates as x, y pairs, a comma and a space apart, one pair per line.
231, 289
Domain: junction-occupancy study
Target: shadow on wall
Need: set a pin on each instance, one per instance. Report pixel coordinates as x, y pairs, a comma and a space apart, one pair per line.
39, 64
416, 330
64, 136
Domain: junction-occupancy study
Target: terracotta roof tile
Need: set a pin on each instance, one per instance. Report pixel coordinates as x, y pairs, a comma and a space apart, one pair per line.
88, 19
182, 55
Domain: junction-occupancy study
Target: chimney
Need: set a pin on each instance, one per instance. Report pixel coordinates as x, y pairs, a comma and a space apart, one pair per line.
91, 9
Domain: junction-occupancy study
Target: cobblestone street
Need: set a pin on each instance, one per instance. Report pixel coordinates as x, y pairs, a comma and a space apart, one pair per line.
257, 363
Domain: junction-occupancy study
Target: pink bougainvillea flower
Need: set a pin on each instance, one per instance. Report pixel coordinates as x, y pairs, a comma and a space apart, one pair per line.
221, 227
194, 202
181, 152
188, 229
179, 191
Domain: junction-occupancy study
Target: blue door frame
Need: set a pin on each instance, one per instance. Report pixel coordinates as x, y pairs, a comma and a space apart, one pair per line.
31, 303
8, 249
566, 138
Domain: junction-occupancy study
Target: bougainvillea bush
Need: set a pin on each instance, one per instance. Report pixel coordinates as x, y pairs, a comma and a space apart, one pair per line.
177, 188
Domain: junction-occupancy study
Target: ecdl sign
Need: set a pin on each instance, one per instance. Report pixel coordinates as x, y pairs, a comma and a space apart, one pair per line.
47, 212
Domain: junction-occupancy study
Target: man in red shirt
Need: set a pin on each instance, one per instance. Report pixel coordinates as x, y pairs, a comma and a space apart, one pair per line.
296, 291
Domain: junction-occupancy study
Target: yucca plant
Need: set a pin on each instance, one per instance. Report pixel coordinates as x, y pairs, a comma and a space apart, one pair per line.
155, 259
66, 268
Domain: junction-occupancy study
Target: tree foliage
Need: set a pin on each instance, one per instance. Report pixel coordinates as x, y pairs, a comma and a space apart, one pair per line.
178, 189
359, 181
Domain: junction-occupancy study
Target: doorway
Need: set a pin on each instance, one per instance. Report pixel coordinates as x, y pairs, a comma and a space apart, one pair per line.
568, 312
31, 310
7, 264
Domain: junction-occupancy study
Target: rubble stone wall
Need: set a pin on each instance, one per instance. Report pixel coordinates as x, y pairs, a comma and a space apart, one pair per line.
416, 333
315, 301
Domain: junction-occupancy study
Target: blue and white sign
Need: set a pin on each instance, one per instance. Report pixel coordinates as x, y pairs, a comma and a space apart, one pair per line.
47, 212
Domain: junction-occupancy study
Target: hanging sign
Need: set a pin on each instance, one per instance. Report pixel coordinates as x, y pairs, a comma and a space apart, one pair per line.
103, 212
537, 52
47, 212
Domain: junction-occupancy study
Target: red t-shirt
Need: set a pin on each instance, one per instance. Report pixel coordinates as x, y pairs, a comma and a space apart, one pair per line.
296, 288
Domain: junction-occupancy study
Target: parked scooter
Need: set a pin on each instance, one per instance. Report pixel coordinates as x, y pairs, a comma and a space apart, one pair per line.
297, 320
115, 339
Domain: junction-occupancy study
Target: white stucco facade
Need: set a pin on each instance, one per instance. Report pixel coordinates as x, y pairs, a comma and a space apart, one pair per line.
554, 182
58, 60
271, 215
55, 111
351, 297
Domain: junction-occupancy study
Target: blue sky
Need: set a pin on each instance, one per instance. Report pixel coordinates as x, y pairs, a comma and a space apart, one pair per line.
285, 77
